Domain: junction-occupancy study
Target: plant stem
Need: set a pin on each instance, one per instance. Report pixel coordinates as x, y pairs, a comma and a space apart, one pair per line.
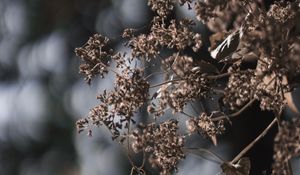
236, 113
182, 112
260, 136
166, 82
217, 76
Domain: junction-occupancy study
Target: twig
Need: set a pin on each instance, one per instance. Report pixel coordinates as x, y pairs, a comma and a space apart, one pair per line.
218, 76
193, 107
200, 151
218, 91
289, 167
288, 163
144, 160
128, 146
104, 65
166, 82
260, 136
243, 108
236, 113
154, 73
182, 112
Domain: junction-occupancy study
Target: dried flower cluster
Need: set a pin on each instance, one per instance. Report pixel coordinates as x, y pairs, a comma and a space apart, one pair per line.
162, 142
118, 107
175, 35
94, 56
188, 84
238, 91
164, 7
287, 146
205, 126
161, 7
267, 39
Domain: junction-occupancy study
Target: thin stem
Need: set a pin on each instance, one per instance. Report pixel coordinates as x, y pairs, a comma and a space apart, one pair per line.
218, 76
128, 147
236, 113
166, 82
193, 107
218, 91
289, 166
200, 151
104, 65
186, 114
242, 109
154, 73
144, 160
212, 77
288, 163
175, 60
260, 136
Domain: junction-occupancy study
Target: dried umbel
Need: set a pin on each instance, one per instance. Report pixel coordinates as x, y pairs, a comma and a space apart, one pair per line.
163, 143
205, 126
95, 55
131, 92
239, 89
188, 84
283, 12
176, 35
271, 92
145, 46
287, 146
206, 10
164, 7
117, 107
161, 7
242, 29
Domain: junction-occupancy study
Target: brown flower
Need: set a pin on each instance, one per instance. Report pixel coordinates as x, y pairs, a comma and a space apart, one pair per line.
162, 142
287, 146
95, 57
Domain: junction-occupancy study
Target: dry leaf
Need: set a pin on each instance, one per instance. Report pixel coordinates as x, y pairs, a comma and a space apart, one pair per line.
228, 46
241, 168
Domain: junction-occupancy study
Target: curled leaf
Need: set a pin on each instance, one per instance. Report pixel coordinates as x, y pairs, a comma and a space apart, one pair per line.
242, 167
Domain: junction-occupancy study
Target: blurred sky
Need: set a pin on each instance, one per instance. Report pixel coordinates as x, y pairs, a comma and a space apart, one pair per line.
42, 94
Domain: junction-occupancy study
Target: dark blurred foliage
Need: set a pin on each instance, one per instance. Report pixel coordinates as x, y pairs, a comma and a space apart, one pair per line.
40, 85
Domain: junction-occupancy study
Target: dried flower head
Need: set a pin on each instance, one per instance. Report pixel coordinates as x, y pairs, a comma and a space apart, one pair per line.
287, 146
188, 83
177, 36
131, 92
204, 11
162, 142
161, 7
95, 55
239, 89
144, 46
117, 107
206, 127
282, 12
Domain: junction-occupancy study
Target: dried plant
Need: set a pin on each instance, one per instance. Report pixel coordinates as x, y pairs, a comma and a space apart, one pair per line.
287, 146
163, 143
245, 31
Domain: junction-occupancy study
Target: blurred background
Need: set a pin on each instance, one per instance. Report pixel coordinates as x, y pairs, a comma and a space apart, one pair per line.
42, 94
